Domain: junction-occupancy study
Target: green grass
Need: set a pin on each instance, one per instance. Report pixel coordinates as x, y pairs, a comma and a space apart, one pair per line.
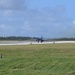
53, 59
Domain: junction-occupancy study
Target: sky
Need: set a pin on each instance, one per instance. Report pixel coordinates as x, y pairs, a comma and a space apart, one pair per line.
36, 18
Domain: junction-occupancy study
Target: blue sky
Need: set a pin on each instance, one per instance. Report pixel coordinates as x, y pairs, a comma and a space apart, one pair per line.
36, 18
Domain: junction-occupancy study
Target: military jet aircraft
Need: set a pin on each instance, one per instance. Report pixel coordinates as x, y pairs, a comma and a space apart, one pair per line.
40, 40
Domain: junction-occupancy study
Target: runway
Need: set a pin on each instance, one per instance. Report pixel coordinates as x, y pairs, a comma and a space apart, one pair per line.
10, 43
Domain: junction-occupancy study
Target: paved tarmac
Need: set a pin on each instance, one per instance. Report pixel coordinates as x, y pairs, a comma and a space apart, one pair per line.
7, 43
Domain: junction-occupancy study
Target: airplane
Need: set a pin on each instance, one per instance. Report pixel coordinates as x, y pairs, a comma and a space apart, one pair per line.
40, 40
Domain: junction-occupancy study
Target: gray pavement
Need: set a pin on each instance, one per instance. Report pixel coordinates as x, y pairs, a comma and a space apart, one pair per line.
7, 43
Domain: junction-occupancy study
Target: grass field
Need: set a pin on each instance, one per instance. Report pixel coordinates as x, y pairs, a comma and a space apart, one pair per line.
53, 59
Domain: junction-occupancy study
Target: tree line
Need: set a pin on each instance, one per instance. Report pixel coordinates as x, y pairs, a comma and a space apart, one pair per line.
17, 38
62, 39
20, 38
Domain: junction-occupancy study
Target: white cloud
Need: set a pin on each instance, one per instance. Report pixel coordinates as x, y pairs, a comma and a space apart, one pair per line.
5, 27
60, 9
2, 26
12, 4
6, 30
34, 22
73, 22
8, 13
26, 26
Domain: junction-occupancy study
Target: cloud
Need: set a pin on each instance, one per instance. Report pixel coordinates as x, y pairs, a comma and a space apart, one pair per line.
73, 22
51, 23
60, 9
12, 4
47, 22
6, 29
